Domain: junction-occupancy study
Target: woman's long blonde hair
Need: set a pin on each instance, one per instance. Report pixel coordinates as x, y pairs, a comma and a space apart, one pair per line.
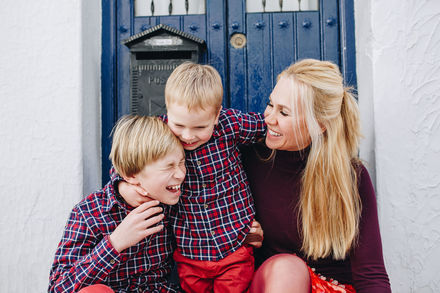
330, 206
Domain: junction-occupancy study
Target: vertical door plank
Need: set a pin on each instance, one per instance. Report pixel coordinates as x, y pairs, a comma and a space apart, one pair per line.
195, 25
259, 72
283, 42
215, 40
330, 30
347, 42
237, 56
108, 82
308, 37
124, 29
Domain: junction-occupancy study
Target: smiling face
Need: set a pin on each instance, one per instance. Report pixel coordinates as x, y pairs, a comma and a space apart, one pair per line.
163, 177
286, 123
193, 127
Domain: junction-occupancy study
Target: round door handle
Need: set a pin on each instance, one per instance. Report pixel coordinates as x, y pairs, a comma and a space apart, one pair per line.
238, 41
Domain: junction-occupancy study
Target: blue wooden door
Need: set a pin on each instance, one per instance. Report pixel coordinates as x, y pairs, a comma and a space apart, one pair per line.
273, 40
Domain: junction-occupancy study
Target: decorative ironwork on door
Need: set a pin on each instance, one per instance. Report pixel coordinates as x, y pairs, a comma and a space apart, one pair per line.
281, 5
168, 7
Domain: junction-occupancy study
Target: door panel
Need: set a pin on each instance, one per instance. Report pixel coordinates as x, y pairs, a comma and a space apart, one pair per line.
307, 28
284, 34
259, 67
330, 31
274, 40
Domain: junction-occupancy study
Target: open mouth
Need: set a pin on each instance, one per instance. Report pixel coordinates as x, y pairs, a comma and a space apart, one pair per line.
173, 188
273, 133
190, 144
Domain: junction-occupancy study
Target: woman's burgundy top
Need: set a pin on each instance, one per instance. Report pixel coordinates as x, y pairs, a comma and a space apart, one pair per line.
275, 185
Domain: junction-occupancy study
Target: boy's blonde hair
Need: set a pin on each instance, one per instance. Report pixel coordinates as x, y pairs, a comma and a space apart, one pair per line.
138, 141
194, 85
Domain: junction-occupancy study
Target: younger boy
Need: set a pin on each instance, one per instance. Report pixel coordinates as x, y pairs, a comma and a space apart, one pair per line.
215, 210
113, 239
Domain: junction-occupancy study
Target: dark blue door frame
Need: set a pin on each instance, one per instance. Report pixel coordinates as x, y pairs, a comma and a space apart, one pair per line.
227, 17
108, 82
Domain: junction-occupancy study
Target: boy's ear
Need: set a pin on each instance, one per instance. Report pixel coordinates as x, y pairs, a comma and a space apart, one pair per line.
218, 115
131, 179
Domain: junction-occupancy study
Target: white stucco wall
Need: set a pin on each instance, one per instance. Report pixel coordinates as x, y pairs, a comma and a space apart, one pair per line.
91, 94
49, 129
398, 64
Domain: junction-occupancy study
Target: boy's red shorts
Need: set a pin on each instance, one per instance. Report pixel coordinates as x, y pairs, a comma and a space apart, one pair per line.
232, 274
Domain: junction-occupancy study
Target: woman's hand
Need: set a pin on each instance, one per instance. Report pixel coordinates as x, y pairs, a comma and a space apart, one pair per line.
134, 195
255, 236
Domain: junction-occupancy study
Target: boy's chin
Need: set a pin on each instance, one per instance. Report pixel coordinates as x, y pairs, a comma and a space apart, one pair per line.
170, 202
191, 147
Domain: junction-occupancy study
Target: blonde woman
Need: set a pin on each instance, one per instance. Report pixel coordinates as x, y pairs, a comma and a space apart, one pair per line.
313, 197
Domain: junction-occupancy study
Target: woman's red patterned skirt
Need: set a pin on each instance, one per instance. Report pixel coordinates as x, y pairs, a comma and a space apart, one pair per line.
321, 284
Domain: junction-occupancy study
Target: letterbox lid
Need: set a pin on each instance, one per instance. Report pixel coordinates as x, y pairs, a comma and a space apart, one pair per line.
161, 27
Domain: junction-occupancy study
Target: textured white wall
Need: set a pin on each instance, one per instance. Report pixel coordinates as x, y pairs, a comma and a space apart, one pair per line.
91, 94
398, 64
44, 95
49, 130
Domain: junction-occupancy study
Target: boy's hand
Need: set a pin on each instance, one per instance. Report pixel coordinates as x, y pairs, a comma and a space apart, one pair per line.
137, 225
132, 194
255, 236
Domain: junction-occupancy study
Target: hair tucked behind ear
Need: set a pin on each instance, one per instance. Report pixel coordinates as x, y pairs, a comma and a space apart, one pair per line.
329, 205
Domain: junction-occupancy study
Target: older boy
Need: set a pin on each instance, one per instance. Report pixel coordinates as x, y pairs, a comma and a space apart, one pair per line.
113, 239
216, 210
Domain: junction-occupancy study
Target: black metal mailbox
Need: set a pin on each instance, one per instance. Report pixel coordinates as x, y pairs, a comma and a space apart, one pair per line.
155, 53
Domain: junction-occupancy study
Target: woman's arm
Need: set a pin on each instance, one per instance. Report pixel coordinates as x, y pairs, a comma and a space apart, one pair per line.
368, 269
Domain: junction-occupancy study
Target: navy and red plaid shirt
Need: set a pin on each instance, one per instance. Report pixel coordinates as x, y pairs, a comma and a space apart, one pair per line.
85, 255
216, 208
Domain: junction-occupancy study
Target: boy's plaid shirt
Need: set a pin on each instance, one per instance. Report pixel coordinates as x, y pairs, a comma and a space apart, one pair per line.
85, 255
216, 208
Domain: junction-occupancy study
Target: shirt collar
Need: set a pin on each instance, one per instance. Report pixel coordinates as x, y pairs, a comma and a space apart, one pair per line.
113, 198
216, 133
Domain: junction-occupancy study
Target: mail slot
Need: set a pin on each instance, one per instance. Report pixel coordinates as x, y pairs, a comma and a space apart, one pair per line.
154, 55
